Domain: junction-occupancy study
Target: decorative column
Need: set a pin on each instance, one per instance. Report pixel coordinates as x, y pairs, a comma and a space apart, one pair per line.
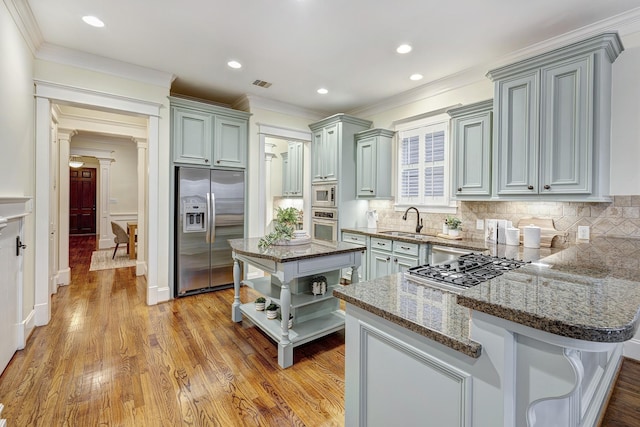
141, 257
64, 271
104, 208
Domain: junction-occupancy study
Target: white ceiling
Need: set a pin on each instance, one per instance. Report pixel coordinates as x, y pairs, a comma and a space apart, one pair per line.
347, 46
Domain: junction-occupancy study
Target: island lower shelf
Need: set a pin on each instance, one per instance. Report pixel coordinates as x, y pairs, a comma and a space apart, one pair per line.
301, 332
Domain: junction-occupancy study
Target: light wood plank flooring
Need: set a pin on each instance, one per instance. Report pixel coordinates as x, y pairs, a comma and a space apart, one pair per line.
107, 358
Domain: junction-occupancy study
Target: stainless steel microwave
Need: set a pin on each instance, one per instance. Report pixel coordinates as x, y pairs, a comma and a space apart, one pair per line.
324, 195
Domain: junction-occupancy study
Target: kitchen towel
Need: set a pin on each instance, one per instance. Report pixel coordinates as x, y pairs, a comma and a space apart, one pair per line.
513, 236
531, 236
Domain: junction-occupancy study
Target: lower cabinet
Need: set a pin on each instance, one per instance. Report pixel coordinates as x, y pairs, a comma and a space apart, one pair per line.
361, 239
393, 256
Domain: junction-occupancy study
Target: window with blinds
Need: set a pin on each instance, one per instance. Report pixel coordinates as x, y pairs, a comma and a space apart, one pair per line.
423, 165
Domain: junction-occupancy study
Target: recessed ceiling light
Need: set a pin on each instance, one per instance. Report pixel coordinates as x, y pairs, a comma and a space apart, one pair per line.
234, 64
323, 91
415, 77
93, 21
404, 48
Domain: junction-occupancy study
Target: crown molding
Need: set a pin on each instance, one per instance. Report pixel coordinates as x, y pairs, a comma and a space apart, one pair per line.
624, 23
23, 17
247, 102
101, 64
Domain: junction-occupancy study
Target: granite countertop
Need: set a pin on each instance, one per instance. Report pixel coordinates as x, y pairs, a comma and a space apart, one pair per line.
430, 312
290, 253
588, 291
382, 233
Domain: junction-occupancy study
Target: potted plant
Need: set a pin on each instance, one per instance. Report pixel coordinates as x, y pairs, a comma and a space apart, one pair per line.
454, 224
272, 311
260, 302
284, 225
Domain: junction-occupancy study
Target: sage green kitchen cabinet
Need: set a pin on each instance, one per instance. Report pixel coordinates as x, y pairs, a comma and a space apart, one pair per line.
333, 149
471, 135
208, 135
373, 163
230, 142
292, 176
192, 131
359, 239
552, 122
390, 257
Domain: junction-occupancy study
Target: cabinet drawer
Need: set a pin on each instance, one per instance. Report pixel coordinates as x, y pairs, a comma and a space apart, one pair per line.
354, 238
406, 248
381, 244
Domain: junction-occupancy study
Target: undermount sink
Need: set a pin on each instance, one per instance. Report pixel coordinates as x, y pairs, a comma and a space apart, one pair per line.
404, 234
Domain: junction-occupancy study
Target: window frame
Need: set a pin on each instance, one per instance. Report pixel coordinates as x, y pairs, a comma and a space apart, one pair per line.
444, 204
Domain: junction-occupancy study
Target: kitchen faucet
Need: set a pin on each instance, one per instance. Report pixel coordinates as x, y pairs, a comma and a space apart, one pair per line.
418, 221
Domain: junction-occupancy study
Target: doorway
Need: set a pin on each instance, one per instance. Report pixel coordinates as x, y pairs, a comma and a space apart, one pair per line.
82, 201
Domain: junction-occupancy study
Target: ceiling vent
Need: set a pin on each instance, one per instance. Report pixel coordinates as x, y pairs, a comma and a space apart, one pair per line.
262, 83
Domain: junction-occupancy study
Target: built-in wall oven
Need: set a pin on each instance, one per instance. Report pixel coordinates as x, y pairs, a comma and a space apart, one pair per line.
324, 224
324, 195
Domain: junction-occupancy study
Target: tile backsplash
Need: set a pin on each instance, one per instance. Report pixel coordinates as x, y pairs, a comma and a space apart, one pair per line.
620, 218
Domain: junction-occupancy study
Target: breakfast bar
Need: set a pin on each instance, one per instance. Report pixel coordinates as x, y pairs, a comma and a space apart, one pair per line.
538, 346
291, 270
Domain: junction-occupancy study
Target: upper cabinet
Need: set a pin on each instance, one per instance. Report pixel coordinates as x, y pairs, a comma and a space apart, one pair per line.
552, 122
332, 147
208, 135
292, 173
471, 136
373, 163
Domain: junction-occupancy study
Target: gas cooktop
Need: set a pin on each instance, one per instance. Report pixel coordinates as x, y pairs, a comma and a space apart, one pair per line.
467, 271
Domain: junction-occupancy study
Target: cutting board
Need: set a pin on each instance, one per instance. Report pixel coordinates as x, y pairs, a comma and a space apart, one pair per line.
547, 230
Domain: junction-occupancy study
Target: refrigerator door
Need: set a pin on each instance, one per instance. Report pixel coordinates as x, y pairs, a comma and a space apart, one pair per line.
192, 248
227, 222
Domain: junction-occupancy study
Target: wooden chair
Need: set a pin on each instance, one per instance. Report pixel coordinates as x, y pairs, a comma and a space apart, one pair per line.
121, 236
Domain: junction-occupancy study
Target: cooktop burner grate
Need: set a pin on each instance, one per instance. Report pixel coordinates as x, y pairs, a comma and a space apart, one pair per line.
467, 271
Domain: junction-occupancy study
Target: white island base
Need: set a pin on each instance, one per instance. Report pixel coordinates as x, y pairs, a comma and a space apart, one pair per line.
524, 377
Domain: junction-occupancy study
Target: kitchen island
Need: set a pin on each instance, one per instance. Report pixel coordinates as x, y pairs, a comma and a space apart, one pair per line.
536, 346
292, 270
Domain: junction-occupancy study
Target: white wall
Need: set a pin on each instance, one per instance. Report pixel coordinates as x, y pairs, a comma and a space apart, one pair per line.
17, 164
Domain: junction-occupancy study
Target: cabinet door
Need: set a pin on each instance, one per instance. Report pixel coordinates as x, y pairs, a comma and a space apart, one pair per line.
366, 167
472, 139
295, 168
517, 135
230, 142
286, 180
403, 263
379, 264
192, 136
330, 152
565, 139
317, 152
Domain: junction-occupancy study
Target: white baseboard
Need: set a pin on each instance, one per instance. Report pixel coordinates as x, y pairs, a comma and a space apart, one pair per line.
632, 349
164, 294
42, 314
64, 276
25, 328
141, 268
105, 242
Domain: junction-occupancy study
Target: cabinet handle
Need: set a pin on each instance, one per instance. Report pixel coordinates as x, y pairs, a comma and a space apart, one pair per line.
547, 187
388, 258
371, 191
217, 161
459, 189
206, 160
530, 187
395, 260
405, 248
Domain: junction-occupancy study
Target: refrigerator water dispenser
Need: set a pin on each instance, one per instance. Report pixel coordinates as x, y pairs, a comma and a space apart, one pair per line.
193, 217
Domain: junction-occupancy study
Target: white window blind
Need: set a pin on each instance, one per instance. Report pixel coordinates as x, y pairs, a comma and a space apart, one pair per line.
423, 163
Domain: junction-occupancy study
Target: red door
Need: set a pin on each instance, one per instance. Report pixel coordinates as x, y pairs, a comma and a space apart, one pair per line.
82, 201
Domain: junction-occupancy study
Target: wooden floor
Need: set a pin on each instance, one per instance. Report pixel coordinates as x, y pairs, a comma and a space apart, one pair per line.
106, 358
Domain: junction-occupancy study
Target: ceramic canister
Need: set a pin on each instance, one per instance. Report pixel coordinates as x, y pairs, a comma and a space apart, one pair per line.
531, 237
513, 236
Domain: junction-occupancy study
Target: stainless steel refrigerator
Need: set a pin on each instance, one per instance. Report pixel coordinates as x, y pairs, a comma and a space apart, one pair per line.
209, 211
